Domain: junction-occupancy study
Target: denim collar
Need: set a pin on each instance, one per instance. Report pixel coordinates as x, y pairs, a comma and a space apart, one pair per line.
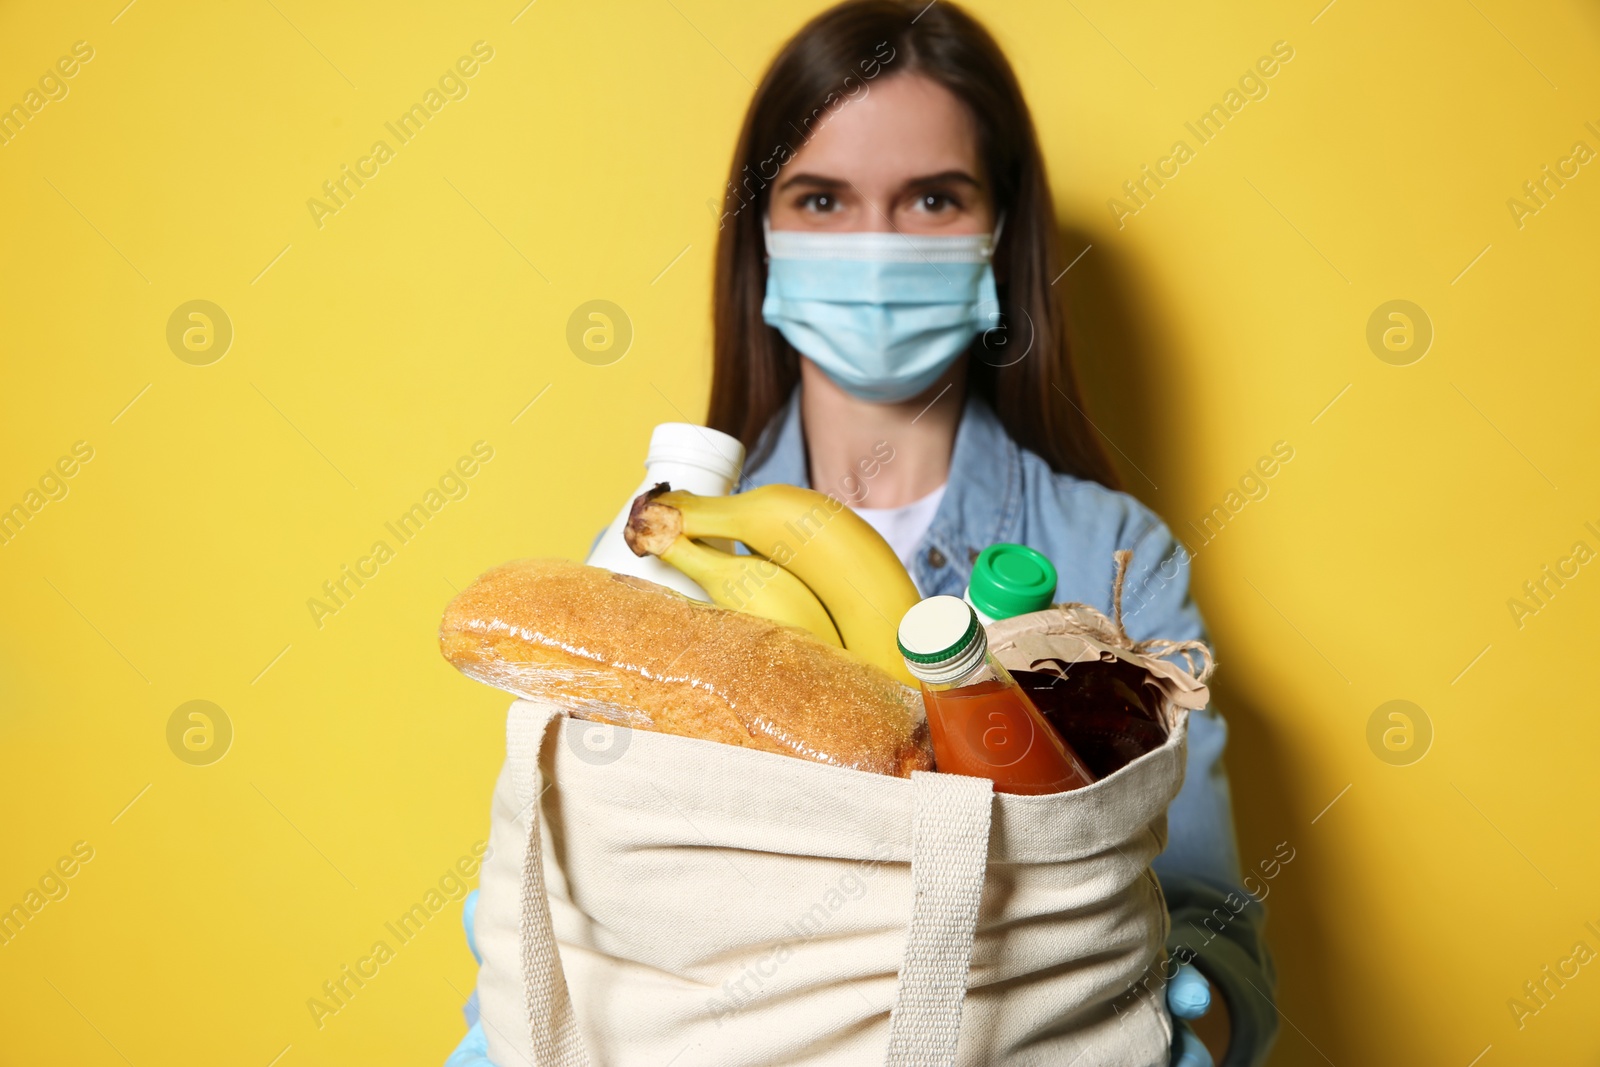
982, 502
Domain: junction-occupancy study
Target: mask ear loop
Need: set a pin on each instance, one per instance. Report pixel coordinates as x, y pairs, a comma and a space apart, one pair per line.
994, 246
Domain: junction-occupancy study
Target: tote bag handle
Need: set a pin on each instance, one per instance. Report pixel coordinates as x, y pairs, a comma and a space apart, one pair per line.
949, 856
555, 1040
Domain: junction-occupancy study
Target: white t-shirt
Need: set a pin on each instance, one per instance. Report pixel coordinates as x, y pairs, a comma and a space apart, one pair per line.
904, 527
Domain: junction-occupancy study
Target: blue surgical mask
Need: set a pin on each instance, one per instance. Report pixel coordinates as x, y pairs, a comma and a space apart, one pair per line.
882, 314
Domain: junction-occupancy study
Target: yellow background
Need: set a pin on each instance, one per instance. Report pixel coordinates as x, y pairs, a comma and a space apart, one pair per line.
430, 311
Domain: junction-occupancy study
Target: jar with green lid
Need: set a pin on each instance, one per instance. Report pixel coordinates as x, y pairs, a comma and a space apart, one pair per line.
1010, 580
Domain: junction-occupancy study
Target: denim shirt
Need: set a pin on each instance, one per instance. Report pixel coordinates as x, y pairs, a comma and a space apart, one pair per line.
1001, 492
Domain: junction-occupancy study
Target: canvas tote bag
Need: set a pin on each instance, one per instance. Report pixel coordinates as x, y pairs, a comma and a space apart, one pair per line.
651, 899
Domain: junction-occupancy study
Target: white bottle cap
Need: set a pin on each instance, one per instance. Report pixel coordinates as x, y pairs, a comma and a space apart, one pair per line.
941, 640
983, 619
696, 446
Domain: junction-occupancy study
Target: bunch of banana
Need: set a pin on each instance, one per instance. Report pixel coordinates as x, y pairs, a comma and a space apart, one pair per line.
752, 584
840, 564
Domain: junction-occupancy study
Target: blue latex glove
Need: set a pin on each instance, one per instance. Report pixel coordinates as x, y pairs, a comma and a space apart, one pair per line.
469, 909
1188, 997
474, 1048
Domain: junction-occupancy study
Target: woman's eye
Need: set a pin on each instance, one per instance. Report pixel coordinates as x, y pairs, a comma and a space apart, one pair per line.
936, 202
821, 203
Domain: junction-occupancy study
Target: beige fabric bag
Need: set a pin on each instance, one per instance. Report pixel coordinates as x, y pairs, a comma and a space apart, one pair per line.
653, 900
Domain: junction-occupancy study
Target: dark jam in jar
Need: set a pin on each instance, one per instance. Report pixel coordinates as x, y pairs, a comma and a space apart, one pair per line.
1109, 712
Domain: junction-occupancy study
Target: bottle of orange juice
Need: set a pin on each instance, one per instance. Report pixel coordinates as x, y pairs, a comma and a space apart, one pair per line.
981, 722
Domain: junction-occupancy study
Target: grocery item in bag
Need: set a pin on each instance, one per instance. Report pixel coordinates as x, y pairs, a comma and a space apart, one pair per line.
1010, 580
1107, 710
696, 458
741, 581
813, 536
626, 651
1103, 691
982, 723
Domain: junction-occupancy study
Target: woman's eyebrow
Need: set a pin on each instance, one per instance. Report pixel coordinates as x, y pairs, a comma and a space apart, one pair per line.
820, 181
944, 177
817, 180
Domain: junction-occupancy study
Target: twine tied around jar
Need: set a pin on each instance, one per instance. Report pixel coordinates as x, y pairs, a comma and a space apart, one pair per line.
1092, 621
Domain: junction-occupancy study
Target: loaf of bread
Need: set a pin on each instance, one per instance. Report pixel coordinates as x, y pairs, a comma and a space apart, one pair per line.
627, 651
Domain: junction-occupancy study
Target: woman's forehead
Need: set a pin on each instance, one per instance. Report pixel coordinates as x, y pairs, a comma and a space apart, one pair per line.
893, 131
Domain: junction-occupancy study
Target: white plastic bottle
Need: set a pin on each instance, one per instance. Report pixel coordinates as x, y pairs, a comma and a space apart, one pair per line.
701, 460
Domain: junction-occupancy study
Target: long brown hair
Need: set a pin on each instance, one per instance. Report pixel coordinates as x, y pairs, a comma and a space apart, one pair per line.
829, 62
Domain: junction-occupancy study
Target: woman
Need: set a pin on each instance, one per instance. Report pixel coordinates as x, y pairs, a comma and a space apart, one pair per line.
886, 330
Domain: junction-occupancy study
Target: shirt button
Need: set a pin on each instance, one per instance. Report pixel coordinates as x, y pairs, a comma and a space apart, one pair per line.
972, 555
935, 558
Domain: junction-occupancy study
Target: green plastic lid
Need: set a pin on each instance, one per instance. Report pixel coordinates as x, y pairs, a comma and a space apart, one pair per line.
1011, 580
